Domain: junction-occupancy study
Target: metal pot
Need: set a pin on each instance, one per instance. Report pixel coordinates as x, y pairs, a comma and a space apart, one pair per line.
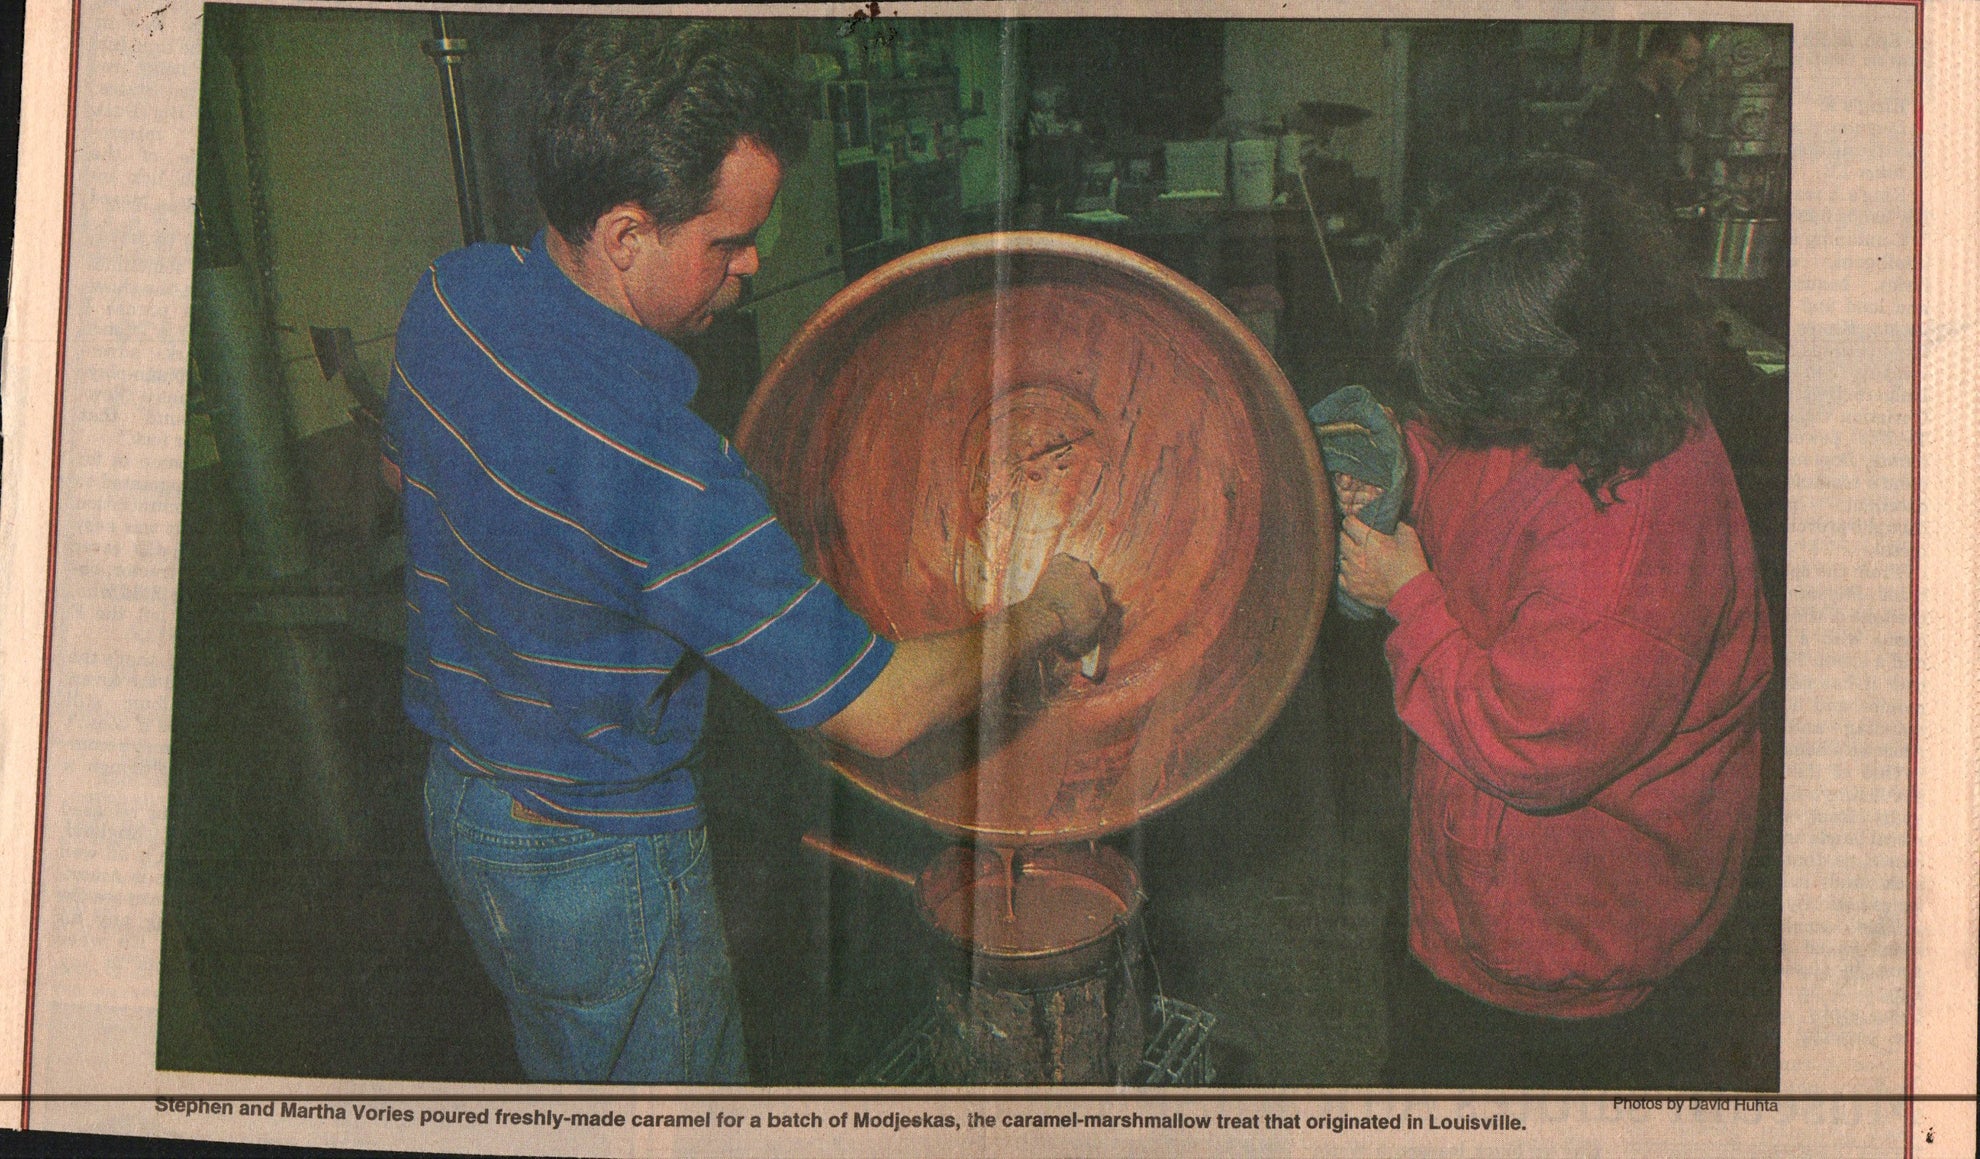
1030, 919
946, 424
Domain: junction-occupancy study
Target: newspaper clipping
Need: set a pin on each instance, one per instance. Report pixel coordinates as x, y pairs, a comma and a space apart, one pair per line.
1344, 577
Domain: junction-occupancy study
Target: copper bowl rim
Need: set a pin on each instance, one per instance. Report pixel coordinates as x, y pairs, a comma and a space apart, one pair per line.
1035, 243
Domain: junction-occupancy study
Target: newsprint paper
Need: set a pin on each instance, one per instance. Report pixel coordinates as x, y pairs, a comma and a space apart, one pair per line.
117, 1016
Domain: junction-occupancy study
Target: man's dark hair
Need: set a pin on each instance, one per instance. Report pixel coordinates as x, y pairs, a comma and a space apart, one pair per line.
1668, 39
1548, 307
645, 111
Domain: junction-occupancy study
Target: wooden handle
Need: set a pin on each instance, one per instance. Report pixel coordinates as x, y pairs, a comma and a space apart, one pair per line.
825, 846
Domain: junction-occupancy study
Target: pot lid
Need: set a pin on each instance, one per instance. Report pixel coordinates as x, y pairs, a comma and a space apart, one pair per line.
943, 426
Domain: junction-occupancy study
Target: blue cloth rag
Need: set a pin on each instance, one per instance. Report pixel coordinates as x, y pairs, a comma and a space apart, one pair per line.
1375, 457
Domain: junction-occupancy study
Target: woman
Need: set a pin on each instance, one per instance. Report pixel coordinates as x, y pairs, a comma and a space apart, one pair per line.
1579, 638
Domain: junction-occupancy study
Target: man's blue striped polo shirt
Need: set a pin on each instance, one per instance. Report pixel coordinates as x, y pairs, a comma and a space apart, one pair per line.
582, 548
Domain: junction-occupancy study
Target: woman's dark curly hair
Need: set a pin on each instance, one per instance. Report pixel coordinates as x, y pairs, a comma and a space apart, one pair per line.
645, 111
1549, 307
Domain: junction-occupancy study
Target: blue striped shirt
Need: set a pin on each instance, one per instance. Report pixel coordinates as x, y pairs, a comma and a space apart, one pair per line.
582, 549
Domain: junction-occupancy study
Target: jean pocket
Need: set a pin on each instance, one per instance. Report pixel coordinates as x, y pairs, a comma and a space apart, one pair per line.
681, 855
570, 929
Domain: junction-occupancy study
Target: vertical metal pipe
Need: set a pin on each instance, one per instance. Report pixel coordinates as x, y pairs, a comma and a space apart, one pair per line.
243, 394
447, 53
233, 346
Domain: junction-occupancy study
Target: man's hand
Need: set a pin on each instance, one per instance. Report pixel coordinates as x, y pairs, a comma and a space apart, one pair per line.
1071, 590
1373, 566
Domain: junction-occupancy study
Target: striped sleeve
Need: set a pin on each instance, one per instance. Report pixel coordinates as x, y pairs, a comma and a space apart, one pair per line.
745, 602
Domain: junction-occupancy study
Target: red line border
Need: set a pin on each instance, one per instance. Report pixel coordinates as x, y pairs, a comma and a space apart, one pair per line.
1917, 430
1917, 438
48, 606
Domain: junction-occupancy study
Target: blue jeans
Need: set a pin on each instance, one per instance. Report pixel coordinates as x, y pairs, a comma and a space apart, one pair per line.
608, 950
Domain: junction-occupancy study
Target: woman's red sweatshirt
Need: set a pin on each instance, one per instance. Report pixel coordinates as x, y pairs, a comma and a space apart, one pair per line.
1582, 685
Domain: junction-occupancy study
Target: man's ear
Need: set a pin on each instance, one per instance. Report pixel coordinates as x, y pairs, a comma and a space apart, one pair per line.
620, 232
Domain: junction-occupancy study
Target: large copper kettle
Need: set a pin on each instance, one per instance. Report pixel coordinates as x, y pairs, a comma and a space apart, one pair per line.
946, 424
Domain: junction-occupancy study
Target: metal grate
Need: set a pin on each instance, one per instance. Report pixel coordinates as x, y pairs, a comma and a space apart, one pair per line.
1178, 1053
908, 1060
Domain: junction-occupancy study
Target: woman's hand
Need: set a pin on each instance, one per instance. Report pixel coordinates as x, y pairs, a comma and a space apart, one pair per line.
1373, 566
1354, 494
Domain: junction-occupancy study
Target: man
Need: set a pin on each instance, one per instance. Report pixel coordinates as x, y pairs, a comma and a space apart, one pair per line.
1632, 128
582, 549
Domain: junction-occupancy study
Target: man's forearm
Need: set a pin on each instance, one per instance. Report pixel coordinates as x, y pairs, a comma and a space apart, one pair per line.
935, 680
